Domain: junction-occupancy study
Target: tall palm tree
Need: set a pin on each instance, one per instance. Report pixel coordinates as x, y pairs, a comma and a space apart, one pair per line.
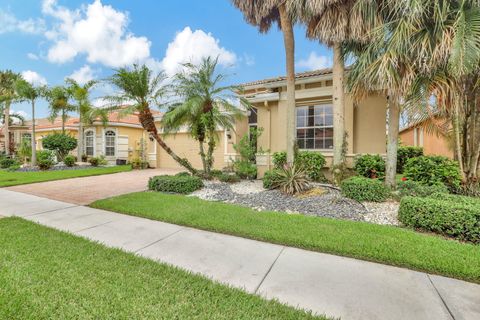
262, 14
87, 113
140, 89
28, 92
7, 96
59, 104
204, 105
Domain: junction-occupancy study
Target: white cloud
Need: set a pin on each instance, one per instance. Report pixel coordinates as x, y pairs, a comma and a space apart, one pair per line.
10, 23
83, 75
32, 56
314, 62
192, 46
96, 30
33, 77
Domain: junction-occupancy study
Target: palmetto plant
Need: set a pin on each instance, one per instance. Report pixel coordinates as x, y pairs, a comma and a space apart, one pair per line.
291, 179
203, 105
139, 90
7, 96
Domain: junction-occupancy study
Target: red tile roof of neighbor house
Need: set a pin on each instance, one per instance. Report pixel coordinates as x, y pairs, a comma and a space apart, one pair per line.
300, 75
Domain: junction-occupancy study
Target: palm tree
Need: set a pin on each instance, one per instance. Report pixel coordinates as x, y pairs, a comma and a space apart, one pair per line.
59, 104
140, 89
205, 105
86, 112
7, 96
262, 14
28, 92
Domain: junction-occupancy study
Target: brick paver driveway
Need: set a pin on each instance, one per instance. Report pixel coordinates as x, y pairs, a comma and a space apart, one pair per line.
83, 191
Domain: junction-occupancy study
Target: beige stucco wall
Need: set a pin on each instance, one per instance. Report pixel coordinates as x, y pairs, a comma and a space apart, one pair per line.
370, 128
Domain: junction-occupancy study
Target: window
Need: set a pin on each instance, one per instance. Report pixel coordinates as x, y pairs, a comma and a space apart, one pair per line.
315, 127
110, 143
27, 137
89, 143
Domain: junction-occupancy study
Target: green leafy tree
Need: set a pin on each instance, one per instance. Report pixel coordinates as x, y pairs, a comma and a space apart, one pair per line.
204, 106
61, 143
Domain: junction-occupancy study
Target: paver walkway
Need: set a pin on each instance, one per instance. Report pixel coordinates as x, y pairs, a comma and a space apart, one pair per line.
86, 190
337, 286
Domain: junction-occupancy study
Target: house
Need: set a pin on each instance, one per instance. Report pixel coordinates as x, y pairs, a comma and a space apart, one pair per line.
365, 123
122, 138
419, 134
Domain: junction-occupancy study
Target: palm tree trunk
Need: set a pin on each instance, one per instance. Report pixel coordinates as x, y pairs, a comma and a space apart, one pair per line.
211, 148
458, 144
392, 142
202, 155
6, 127
80, 138
63, 121
289, 43
338, 104
34, 141
148, 123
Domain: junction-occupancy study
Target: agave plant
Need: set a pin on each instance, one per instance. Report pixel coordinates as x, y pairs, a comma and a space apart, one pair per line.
291, 179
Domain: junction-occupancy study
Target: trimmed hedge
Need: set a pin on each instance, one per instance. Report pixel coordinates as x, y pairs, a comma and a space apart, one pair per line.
365, 189
370, 166
175, 184
312, 163
407, 152
417, 189
448, 215
433, 170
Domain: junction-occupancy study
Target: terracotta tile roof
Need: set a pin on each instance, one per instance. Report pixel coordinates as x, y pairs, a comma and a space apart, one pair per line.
300, 75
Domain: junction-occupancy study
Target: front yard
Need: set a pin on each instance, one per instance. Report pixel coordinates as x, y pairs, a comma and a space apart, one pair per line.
47, 274
13, 178
383, 244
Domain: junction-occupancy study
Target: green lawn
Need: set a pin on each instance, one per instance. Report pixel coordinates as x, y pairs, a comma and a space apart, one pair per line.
47, 274
8, 178
384, 244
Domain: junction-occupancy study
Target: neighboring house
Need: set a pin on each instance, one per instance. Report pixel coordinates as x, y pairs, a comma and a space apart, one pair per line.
365, 123
433, 143
121, 138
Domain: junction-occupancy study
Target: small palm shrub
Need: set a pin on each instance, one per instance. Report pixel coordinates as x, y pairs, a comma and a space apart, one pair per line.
138, 163
432, 170
417, 189
69, 161
407, 152
291, 179
370, 166
45, 159
448, 215
175, 184
364, 189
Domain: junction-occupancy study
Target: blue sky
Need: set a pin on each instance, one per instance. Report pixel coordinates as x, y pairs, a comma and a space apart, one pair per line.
48, 40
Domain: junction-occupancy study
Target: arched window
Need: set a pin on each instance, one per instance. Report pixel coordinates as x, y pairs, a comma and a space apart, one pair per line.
89, 143
110, 143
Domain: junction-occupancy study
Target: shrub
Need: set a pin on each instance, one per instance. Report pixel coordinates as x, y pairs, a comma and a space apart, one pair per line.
98, 161
228, 178
62, 144
69, 161
245, 169
364, 189
138, 163
279, 159
269, 179
370, 166
183, 174
45, 159
7, 163
449, 215
407, 152
417, 189
312, 163
291, 180
175, 184
432, 170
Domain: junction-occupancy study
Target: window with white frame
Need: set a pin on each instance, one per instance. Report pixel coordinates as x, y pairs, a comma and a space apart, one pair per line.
110, 143
315, 127
89, 143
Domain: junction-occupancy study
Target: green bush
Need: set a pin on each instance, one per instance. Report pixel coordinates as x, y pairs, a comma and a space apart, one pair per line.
417, 189
62, 144
291, 180
245, 169
269, 179
432, 170
98, 161
175, 184
370, 166
69, 161
45, 159
364, 189
228, 178
183, 174
279, 159
138, 163
312, 163
407, 152
448, 215
7, 163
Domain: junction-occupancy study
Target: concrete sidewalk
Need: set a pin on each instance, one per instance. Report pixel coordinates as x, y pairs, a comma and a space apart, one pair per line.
326, 284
